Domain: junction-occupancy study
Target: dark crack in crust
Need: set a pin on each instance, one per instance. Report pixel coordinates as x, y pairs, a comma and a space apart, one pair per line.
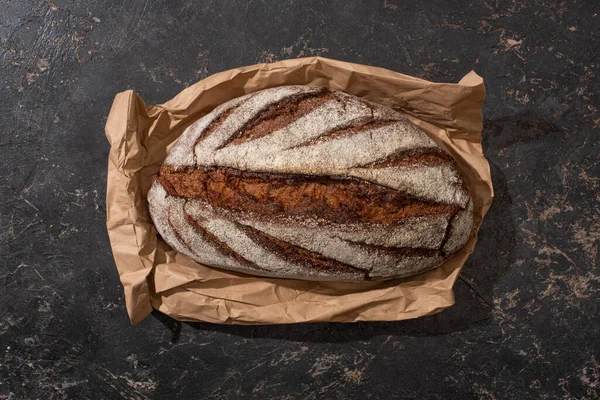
279, 115
397, 251
338, 200
425, 156
218, 244
299, 255
351, 128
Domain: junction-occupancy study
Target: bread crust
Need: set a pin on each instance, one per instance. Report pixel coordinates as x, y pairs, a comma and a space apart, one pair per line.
303, 182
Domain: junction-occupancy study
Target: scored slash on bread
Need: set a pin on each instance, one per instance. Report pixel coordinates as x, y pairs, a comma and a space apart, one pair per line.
303, 182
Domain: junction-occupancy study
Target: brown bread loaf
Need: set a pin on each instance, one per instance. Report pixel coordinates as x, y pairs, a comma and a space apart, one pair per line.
303, 182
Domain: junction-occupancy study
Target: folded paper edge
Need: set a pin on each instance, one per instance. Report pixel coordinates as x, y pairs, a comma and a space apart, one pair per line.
133, 276
420, 306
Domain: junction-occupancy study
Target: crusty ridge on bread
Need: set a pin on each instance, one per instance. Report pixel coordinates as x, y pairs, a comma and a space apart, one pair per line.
304, 182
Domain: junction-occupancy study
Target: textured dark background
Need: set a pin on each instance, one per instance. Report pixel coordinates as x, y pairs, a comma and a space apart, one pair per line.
526, 321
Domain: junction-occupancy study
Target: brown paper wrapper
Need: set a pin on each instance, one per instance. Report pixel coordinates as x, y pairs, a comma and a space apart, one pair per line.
155, 276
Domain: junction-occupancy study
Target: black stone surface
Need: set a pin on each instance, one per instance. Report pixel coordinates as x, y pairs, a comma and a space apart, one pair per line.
526, 323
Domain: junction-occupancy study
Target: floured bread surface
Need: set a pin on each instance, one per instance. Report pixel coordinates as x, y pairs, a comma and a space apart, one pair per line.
303, 182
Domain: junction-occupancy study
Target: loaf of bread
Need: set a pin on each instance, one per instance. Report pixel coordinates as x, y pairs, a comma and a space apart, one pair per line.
303, 182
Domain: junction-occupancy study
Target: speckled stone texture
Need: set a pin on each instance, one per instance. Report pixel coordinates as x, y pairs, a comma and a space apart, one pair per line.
526, 320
